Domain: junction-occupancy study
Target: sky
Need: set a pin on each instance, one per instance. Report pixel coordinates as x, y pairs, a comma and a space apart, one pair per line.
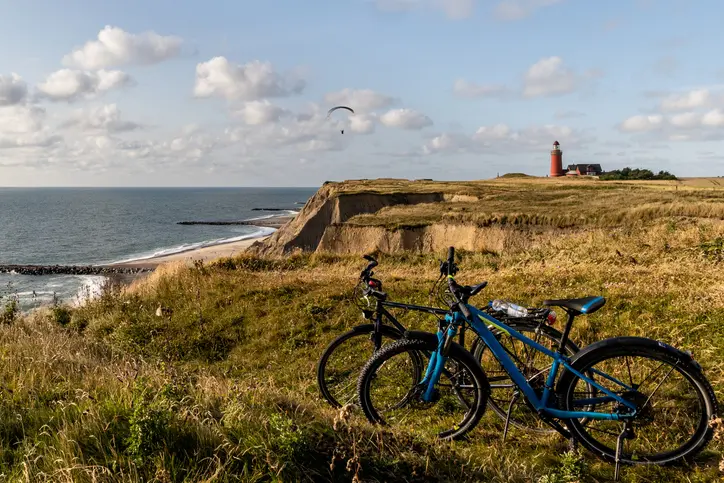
236, 93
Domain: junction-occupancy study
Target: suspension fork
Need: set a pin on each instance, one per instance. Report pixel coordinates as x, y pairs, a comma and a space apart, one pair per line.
437, 361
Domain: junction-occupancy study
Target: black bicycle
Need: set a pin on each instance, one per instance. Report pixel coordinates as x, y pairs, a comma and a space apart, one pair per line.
345, 356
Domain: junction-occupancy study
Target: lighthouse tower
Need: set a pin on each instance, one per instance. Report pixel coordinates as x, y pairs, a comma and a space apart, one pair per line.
556, 160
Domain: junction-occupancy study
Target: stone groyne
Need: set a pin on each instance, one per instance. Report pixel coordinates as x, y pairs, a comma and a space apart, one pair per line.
72, 269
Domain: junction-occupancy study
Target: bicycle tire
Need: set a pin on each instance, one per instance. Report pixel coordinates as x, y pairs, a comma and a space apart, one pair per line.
548, 332
358, 331
421, 342
637, 346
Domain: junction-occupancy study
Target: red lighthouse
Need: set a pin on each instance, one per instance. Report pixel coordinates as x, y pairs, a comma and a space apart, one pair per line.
556, 160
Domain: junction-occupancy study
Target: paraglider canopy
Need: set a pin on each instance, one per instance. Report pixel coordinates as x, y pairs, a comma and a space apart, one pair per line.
339, 107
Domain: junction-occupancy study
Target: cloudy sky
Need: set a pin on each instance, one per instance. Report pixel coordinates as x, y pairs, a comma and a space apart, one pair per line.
235, 93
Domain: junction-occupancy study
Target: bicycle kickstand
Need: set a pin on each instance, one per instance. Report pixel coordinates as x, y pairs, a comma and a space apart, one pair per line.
626, 433
507, 414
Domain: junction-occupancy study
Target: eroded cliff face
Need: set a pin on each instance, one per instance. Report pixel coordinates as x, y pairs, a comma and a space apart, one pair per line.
327, 210
347, 239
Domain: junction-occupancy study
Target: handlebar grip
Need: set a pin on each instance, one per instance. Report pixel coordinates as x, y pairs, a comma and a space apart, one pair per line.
450, 257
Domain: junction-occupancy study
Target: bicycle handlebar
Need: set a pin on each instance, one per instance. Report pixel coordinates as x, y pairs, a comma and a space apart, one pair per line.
454, 287
367, 272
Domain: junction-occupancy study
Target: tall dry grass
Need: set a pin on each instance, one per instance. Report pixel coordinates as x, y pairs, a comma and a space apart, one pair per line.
221, 386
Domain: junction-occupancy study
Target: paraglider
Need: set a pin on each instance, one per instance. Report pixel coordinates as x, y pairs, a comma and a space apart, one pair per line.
339, 107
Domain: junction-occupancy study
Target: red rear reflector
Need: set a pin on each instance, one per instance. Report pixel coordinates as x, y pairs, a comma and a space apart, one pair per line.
551, 318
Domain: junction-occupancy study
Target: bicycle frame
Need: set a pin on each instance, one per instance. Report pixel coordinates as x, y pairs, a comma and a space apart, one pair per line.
542, 403
381, 313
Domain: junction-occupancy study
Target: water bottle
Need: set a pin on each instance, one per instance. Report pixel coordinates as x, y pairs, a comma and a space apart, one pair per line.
510, 308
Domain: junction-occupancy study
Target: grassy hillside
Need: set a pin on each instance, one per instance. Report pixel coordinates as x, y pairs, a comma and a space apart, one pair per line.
223, 389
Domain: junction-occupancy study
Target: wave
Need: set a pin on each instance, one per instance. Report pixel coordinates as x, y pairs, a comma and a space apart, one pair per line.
91, 287
186, 247
277, 214
265, 217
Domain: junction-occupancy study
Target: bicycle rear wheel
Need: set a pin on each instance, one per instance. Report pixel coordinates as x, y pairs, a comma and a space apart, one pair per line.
389, 389
674, 401
342, 360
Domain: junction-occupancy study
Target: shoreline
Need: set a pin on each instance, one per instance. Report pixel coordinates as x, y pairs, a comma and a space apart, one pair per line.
134, 267
212, 252
204, 253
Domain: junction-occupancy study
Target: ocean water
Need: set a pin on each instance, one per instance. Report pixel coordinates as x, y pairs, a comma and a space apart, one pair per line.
87, 226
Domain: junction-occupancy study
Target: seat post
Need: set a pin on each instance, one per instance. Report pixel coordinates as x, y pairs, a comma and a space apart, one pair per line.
566, 331
377, 333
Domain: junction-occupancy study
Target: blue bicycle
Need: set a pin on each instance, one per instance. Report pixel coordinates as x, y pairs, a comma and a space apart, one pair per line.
630, 400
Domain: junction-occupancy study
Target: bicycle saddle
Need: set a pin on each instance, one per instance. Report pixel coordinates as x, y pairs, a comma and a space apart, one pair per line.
585, 305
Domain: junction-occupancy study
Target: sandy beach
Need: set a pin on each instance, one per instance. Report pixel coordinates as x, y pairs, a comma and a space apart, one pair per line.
212, 252
205, 254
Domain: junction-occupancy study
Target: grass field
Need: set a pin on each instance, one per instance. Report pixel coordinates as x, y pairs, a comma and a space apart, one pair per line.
223, 388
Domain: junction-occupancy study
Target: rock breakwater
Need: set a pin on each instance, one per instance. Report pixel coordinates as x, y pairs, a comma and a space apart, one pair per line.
72, 270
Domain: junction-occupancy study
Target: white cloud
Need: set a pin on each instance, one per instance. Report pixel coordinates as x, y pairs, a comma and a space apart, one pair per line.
642, 123
548, 77
362, 124
456, 9
23, 127
446, 143
71, 85
689, 100
491, 133
360, 100
714, 118
30, 140
252, 81
464, 88
685, 120
518, 9
104, 118
502, 139
260, 112
453, 9
116, 47
686, 126
309, 131
21, 119
405, 119
13, 89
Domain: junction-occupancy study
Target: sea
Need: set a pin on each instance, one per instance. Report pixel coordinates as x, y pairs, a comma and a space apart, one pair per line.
90, 226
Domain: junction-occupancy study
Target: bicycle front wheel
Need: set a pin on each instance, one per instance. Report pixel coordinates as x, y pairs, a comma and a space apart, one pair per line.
390, 392
674, 401
344, 357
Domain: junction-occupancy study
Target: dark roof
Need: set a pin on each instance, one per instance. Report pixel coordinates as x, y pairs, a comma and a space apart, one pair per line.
556, 143
585, 167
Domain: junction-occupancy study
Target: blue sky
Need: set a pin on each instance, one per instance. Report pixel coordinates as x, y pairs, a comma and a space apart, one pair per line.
235, 93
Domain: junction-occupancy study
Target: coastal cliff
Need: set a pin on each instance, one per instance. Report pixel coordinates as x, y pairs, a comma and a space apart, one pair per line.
398, 215
486, 216
324, 215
